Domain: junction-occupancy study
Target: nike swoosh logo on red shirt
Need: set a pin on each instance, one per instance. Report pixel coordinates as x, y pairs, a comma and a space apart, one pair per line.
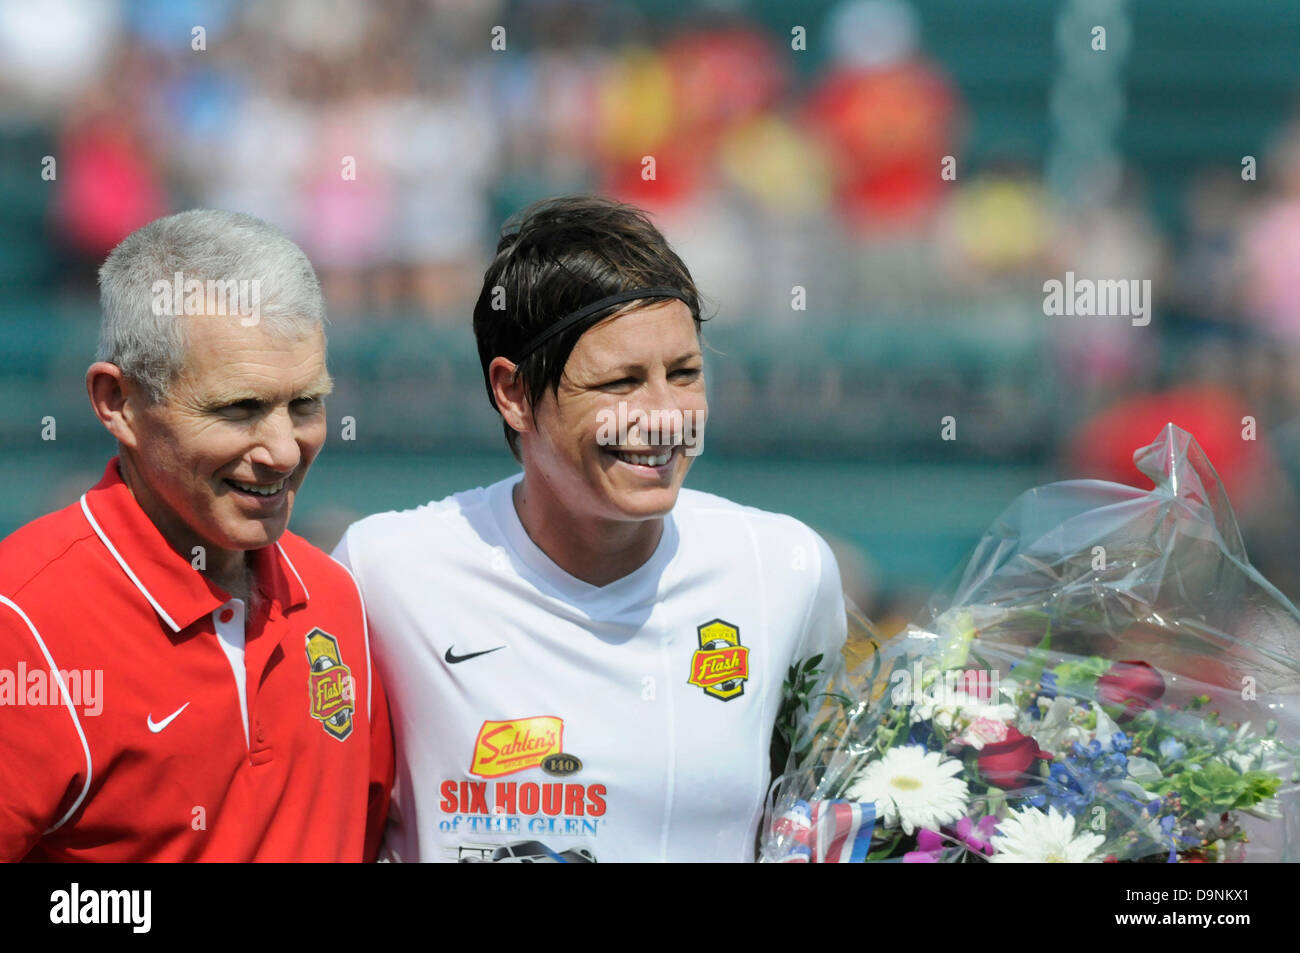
157, 726
452, 659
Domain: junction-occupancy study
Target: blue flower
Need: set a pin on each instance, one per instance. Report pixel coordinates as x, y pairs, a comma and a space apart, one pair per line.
1049, 685
1172, 749
1131, 801
1070, 785
1120, 742
1085, 753
1167, 825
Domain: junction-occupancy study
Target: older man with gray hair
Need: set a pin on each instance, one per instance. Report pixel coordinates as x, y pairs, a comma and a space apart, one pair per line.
181, 677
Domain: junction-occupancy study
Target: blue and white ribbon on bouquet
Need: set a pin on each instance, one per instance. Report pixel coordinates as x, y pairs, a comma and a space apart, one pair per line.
828, 832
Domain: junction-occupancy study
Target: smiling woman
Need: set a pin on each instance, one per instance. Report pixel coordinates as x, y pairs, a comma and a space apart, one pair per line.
596, 507
609, 626
600, 318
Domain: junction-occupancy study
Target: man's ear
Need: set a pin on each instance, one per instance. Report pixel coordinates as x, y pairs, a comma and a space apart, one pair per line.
115, 400
510, 394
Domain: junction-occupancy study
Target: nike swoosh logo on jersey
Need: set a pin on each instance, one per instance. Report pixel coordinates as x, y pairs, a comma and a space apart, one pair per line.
157, 726
452, 659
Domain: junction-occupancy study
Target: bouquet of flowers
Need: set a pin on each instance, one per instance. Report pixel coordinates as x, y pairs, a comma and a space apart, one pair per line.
1109, 680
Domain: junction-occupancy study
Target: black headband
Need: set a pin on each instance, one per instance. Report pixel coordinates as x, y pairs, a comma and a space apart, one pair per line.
569, 320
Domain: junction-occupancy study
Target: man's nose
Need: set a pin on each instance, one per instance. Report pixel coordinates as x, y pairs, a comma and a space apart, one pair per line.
277, 444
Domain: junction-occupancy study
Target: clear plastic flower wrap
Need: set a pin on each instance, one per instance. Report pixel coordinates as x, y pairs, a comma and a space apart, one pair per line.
1108, 680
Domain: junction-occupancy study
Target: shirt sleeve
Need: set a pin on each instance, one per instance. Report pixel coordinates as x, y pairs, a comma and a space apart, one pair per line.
382, 748
826, 626
817, 647
343, 553
382, 766
44, 761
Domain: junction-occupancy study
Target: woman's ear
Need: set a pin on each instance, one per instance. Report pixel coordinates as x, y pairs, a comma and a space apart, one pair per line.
510, 394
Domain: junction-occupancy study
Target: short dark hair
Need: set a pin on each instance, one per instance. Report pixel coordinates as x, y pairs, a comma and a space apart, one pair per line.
553, 258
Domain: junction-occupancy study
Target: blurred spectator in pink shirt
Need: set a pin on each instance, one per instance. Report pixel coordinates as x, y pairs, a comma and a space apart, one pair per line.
1271, 246
107, 185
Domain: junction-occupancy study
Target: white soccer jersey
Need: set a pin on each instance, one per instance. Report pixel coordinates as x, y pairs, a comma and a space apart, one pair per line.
542, 719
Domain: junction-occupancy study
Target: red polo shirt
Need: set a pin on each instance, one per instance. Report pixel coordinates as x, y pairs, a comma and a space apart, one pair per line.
178, 724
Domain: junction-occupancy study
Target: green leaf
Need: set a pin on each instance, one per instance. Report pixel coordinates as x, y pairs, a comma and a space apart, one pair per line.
1031, 669
875, 664
1079, 676
1257, 786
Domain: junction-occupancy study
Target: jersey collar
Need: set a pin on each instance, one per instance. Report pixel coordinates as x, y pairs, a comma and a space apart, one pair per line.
633, 591
179, 593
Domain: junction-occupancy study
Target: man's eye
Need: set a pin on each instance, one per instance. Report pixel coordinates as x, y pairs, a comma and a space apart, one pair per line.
306, 404
687, 373
240, 408
621, 382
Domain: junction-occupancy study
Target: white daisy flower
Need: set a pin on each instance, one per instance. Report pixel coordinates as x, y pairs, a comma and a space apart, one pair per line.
1032, 837
913, 788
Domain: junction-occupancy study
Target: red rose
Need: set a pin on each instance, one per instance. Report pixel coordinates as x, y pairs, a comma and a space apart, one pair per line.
1132, 686
1005, 764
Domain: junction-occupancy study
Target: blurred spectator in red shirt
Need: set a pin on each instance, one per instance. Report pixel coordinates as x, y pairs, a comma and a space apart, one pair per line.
677, 103
1102, 448
887, 115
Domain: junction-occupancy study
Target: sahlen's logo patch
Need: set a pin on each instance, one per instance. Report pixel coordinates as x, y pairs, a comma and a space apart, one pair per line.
329, 684
504, 747
720, 665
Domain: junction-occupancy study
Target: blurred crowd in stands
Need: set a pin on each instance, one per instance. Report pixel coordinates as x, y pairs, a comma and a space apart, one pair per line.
765, 170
